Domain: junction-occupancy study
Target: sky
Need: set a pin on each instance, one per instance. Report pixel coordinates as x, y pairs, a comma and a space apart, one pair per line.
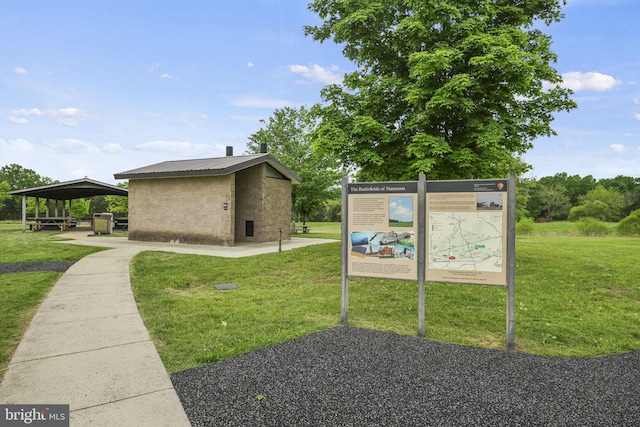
94, 88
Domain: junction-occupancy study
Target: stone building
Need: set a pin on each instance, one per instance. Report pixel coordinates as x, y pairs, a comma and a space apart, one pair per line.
217, 201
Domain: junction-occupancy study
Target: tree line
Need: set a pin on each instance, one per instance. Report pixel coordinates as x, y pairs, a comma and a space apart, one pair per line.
572, 197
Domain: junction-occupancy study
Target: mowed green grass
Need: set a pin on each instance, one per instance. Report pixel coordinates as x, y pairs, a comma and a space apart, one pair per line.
575, 296
22, 293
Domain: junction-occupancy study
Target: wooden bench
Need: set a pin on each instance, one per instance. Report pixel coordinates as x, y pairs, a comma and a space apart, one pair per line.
299, 228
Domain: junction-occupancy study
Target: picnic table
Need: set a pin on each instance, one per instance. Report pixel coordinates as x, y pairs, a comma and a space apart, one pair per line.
300, 228
53, 223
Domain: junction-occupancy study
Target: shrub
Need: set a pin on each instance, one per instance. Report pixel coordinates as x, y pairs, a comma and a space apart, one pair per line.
630, 226
524, 226
576, 213
591, 227
591, 209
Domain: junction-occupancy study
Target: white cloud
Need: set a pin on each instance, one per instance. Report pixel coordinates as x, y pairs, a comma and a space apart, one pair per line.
67, 112
25, 112
65, 116
246, 118
182, 148
619, 148
113, 148
250, 64
577, 81
165, 76
400, 212
14, 145
75, 146
20, 70
79, 173
151, 68
17, 120
637, 116
253, 101
318, 73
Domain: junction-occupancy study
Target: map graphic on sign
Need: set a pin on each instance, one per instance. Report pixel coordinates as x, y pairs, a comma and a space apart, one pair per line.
466, 241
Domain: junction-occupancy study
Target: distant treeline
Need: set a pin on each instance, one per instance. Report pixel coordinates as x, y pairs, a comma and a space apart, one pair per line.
563, 196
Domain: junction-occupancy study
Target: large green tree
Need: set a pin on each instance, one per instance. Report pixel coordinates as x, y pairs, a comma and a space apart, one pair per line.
549, 201
118, 204
611, 197
574, 185
629, 187
4, 190
18, 178
287, 134
455, 89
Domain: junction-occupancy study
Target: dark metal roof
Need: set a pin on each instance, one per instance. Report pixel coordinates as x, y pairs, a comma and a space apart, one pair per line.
215, 166
70, 190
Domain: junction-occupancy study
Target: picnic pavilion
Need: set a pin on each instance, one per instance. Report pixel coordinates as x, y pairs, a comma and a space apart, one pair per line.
57, 216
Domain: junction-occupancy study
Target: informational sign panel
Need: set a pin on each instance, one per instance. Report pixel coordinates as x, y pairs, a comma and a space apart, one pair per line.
382, 224
467, 231
431, 231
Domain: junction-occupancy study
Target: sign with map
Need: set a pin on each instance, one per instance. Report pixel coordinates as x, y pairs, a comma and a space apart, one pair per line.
382, 225
466, 235
431, 231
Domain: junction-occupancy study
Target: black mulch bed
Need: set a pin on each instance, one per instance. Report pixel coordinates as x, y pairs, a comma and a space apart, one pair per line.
28, 267
348, 376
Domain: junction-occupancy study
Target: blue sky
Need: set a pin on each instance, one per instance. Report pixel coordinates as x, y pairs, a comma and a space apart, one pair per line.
92, 88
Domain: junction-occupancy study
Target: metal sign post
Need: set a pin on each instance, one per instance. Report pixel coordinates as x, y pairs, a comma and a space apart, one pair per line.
345, 252
421, 244
511, 261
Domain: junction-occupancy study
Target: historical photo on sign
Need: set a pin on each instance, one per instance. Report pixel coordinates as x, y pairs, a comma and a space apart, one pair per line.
489, 201
400, 211
389, 244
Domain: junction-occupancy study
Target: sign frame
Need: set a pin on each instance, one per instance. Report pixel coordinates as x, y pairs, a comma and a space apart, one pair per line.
482, 206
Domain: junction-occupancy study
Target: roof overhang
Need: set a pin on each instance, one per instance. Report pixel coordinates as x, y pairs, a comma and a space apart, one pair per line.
219, 166
69, 190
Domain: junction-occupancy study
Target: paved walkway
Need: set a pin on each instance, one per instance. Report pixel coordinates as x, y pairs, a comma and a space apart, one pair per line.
88, 347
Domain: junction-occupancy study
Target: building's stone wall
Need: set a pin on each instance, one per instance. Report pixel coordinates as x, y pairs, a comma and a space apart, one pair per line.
265, 201
184, 210
277, 209
249, 195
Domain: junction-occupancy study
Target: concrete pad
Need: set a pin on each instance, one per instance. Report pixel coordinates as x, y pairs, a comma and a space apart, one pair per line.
57, 339
69, 309
89, 378
149, 410
91, 284
93, 267
237, 251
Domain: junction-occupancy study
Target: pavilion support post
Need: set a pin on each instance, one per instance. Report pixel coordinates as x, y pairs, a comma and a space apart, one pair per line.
24, 213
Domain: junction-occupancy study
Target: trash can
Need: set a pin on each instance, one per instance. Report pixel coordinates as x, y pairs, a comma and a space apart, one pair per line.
102, 223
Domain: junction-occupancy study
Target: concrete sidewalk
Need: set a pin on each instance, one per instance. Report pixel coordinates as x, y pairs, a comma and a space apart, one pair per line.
88, 347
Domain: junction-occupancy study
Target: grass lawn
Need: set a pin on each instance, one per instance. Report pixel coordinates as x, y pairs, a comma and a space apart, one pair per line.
575, 296
321, 230
22, 293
